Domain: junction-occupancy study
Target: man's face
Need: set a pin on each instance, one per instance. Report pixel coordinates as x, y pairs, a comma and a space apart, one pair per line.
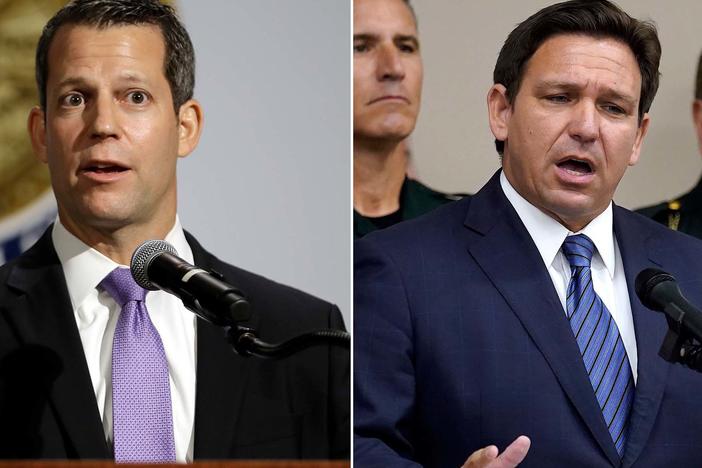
111, 137
573, 128
387, 70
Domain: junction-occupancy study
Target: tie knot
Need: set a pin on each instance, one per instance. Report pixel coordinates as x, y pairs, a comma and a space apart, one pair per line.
120, 284
578, 250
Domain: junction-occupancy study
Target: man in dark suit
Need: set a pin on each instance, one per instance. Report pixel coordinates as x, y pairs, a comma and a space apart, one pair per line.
90, 365
510, 318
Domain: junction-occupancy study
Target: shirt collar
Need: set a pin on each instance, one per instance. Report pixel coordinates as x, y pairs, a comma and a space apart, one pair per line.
548, 234
85, 267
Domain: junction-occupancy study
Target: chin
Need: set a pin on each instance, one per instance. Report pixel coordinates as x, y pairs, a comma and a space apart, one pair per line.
396, 125
577, 214
111, 223
571, 208
106, 216
572, 201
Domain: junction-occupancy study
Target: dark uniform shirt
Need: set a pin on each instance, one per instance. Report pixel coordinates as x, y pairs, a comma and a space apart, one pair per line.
682, 214
415, 200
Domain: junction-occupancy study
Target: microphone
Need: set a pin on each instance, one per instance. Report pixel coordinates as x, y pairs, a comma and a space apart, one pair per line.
155, 265
659, 291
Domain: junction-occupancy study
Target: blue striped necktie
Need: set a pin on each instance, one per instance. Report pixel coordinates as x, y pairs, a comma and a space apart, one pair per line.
599, 341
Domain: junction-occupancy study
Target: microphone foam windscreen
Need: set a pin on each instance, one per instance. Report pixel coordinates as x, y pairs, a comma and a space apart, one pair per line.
646, 281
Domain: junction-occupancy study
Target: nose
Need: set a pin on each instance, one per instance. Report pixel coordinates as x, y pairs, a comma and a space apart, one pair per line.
103, 118
584, 124
390, 67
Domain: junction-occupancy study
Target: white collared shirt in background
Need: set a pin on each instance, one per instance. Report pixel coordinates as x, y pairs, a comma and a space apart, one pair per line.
96, 315
607, 267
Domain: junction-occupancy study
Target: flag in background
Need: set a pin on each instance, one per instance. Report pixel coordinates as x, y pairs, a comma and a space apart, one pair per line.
27, 205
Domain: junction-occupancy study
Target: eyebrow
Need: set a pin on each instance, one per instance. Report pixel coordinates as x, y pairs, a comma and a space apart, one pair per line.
72, 81
408, 38
548, 85
365, 37
79, 81
402, 38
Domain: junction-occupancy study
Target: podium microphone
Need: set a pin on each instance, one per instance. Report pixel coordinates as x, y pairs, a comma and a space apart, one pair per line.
659, 291
155, 265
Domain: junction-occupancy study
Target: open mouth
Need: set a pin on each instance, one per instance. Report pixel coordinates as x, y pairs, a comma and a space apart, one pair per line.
576, 166
105, 169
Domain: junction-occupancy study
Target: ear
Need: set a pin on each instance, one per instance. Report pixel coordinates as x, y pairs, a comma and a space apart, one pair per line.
638, 143
36, 126
190, 120
499, 111
697, 120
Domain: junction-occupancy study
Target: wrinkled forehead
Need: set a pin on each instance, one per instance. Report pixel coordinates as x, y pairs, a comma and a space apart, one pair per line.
580, 59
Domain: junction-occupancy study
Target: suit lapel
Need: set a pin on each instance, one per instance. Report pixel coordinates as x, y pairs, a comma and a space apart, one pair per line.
509, 258
41, 316
221, 379
650, 328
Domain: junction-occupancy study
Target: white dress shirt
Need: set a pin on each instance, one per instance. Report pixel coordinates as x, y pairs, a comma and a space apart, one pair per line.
607, 267
96, 315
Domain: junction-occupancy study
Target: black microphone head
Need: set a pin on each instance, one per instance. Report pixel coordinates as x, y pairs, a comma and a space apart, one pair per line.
646, 281
142, 257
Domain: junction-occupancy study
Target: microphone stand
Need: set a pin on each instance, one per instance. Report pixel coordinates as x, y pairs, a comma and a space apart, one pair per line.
679, 345
244, 340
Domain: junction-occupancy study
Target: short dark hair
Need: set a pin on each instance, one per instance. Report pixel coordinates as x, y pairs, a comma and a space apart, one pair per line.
698, 81
596, 18
179, 58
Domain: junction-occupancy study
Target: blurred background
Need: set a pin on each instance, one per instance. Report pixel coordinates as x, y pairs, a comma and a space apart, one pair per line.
452, 146
268, 188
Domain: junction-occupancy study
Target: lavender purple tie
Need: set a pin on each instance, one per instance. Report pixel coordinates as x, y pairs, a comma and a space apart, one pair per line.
141, 397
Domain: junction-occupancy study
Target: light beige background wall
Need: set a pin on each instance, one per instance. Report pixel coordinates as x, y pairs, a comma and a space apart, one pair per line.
452, 146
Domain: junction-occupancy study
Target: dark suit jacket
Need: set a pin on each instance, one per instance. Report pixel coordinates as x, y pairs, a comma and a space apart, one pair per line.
245, 407
461, 342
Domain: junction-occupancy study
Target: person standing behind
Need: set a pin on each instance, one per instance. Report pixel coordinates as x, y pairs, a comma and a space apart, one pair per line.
684, 213
387, 88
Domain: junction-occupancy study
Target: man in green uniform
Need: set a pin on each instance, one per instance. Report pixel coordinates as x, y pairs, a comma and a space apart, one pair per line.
685, 212
387, 86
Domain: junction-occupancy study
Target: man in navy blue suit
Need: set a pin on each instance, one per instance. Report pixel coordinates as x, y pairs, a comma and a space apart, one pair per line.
509, 320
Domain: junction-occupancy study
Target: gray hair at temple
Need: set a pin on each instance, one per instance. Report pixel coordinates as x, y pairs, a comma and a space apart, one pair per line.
179, 58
